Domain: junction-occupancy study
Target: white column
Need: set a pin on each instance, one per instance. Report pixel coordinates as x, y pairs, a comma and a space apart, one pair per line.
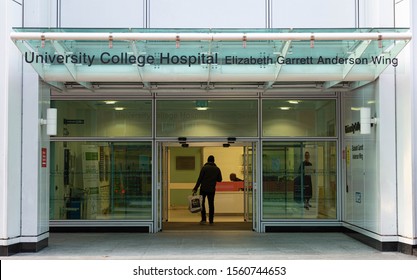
10, 127
414, 127
35, 175
380, 13
407, 211
406, 155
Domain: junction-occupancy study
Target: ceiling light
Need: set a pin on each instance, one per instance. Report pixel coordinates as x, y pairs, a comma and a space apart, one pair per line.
110, 102
284, 108
293, 101
119, 108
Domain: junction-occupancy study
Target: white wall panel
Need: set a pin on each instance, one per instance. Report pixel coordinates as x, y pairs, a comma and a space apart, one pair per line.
385, 128
376, 13
40, 13
102, 14
207, 14
313, 14
3, 119
30, 164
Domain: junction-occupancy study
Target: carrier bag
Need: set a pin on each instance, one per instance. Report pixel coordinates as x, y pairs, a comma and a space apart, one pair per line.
194, 203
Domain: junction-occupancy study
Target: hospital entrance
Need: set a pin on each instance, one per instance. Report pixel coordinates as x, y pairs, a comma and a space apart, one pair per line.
180, 168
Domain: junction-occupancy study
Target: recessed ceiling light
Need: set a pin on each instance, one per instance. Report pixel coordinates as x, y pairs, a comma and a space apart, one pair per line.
110, 102
284, 108
119, 108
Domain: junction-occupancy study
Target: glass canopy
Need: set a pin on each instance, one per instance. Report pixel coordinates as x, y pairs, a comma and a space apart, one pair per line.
262, 57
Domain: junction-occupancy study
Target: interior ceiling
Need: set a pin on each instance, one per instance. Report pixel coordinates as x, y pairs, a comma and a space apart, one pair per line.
195, 60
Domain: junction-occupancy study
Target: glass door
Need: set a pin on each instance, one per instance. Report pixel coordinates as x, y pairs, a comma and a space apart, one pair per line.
248, 182
250, 186
160, 179
177, 169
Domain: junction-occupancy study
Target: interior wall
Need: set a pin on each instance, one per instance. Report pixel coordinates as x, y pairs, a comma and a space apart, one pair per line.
181, 182
229, 160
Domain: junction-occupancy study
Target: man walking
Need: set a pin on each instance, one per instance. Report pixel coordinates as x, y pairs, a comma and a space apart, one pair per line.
210, 174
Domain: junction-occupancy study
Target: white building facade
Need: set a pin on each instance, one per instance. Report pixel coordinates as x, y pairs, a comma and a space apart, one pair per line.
130, 168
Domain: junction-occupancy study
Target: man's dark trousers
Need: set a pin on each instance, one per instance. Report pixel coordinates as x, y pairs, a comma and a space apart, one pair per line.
210, 199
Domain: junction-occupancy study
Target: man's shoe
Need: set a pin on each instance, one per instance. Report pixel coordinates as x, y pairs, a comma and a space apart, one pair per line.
202, 222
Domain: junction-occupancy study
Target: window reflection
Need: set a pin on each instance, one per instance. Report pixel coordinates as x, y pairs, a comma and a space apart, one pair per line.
104, 118
101, 180
207, 118
299, 180
292, 117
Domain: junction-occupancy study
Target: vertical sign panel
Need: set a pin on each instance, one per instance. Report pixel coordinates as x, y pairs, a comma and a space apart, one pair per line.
43, 157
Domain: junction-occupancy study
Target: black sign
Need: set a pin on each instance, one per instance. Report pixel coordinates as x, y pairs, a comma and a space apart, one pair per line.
73, 121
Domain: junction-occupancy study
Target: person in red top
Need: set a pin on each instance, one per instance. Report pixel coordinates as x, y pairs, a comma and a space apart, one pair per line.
210, 174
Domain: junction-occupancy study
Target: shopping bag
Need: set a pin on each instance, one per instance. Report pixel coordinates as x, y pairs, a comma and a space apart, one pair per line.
194, 203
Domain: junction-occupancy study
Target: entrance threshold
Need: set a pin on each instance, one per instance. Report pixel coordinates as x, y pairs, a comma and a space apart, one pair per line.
218, 226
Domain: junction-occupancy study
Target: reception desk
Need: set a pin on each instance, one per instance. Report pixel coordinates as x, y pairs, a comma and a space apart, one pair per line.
229, 198
229, 186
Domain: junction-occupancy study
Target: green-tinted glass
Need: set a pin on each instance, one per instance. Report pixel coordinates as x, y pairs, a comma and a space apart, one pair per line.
235, 59
101, 181
100, 118
207, 118
304, 118
299, 180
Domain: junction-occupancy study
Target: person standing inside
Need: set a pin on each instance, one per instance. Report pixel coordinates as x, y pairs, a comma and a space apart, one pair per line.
210, 174
306, 171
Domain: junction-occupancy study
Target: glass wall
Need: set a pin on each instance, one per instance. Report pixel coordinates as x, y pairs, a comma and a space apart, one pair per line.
299, 118
104, 118
96, 180
101, 180
299, 180
207, 118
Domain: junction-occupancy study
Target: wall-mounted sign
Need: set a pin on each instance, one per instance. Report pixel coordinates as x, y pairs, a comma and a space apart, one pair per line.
185, 162
357, 152
66, 121
352, 128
